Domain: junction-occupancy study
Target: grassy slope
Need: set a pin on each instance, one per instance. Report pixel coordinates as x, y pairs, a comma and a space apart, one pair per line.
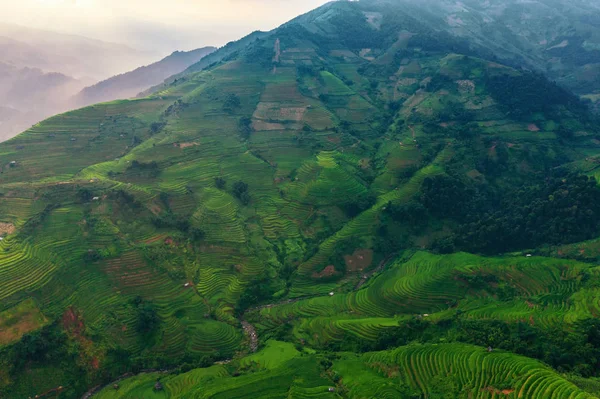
318, 142
453, 370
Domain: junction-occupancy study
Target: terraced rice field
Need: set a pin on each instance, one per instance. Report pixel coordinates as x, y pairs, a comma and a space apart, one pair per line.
137, 203
450, 369
434, 286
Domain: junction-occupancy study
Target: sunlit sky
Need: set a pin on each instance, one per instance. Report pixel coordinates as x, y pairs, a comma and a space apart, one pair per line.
184, 24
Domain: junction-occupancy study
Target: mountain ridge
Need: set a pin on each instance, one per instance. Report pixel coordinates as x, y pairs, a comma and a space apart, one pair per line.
350, 205
131, 83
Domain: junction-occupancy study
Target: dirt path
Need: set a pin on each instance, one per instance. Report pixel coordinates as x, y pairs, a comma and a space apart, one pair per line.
251, 332
248, 328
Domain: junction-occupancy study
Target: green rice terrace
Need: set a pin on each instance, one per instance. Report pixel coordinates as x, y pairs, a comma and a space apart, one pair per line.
350, 206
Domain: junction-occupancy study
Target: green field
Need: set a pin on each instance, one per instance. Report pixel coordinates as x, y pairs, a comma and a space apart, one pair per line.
368, 210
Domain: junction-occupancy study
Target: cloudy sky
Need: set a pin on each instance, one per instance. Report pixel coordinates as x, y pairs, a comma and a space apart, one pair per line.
160, 24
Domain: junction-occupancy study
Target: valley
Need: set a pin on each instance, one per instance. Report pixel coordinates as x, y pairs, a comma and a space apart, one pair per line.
352, 205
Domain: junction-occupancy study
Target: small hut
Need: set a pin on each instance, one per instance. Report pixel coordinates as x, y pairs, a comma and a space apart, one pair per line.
158, 386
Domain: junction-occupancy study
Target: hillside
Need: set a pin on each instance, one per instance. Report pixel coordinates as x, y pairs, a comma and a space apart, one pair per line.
352, 205
129, 84
555, 37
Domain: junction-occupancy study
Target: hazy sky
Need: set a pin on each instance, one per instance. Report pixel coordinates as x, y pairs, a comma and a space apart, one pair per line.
162, 24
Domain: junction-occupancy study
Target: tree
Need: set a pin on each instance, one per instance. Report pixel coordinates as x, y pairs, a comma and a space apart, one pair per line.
240, 188
220, 183
232, 102
85, 195
245, 127
245, 198
358, 204
196, 233
147, 318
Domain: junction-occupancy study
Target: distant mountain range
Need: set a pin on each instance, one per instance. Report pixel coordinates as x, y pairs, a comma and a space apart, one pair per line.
83, 58
44, 73
378, 199
131, 83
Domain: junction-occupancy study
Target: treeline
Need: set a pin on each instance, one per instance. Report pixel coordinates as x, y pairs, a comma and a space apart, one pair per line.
529, 92
559, 209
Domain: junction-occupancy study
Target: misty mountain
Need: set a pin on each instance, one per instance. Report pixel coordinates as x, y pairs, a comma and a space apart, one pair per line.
76, 56
131, 83
229, 50
555, 37
41, 73
377, 199
28, 95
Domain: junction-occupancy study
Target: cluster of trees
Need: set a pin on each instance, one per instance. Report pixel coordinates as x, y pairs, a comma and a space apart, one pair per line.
147, 320
232, 103
220, 183
527, 93
259, 290
148, 170
245, 127
261, 53
343, 248
181, 223
174, 108
156, 127
168, 219
564, 209
240, 191
358, 204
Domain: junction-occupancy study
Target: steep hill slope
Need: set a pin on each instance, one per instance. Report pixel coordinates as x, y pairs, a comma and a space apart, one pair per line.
129, 84
321, 185
555, 37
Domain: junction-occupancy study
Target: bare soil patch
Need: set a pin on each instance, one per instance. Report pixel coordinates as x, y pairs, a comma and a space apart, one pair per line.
466, 86
364, 53
499, 391
186, 145
374, 19
532, 127
359, 260
13, 325
6, 228
261, 126
327, 272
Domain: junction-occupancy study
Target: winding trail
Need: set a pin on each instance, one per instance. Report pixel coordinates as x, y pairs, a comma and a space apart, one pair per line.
251, 333
248, 328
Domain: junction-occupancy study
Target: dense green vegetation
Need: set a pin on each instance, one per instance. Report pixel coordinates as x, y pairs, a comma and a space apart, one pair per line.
330, 209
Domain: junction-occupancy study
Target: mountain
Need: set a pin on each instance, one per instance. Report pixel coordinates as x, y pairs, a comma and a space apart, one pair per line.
352, 205
40, 71
30, 84
33, 95
131, 83
76, 56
